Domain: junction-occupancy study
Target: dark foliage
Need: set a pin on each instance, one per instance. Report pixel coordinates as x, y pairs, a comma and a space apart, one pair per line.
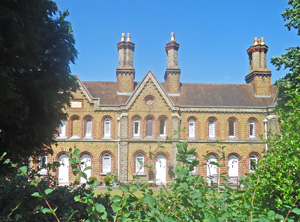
36, 48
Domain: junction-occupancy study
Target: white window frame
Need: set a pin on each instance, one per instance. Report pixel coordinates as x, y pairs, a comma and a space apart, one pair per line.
88, 128
251, 124
106, 168
162, 134
190, 159
211, 128
192, 128
136, 127
107, 128
43, 171
62, 129
139, 157
255, 158
231, 121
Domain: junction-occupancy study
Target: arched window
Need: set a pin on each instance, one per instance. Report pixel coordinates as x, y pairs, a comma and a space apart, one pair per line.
190, 159
233, 169
136, 127
231, 128
252, 163
149, 128
162, 127
139, 163
192, 128
212, 169
106, 166
62, 129
88, 128
251, 129
43, 165
86, 161
107, 128
211, 129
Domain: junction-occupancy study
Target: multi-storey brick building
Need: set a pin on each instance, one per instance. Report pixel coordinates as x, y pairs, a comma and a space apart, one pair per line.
117, 124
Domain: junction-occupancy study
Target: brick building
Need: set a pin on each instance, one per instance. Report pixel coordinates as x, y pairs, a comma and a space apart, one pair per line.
117, 124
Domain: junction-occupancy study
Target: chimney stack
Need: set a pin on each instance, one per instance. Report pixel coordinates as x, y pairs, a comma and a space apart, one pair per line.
259, 76
125, 71
172, 74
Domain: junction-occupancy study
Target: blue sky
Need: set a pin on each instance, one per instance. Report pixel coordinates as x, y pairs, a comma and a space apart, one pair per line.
213, 36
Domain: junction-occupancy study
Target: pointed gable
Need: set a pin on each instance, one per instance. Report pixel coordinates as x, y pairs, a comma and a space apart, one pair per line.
150, 86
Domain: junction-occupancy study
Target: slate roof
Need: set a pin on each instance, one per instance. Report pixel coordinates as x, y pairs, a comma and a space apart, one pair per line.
191, 95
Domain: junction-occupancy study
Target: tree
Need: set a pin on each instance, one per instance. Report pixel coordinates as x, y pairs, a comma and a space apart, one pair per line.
36, 48
276, 183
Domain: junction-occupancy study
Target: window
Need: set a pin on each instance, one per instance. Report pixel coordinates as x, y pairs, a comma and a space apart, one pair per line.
139, 162
252, 163
231, 128
191, 128
190, 159
212, 169
233, 169
136, 127
106, 163
251, 129
149, 127
88, 128
211, 129
107, 127
162, 127
62, 129
43, 165
75, 127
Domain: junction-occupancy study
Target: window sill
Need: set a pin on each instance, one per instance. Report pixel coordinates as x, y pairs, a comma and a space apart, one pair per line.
75, 138
161, 137
149, 137
232, 138
43, 173
88, 138
136, 138
103, 173
62, 138
141, 174
253, 139
107, 138
212, 138
192, 138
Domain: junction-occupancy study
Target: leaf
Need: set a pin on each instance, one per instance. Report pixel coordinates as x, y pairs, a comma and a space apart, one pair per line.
48, 191
36, 194
24, 169
99, 207
47, 210
87, 168
296, 211
115, 207
75, 170
149, 200
4, 154
76, 153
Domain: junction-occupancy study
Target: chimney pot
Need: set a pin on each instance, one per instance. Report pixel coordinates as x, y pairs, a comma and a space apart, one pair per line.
128, 37
123, 37
172, 36
255, 41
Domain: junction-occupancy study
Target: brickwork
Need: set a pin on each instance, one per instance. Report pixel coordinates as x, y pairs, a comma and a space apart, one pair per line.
149, 100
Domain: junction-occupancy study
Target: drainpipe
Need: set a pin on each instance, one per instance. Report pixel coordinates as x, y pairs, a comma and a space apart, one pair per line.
118, 119
265, 121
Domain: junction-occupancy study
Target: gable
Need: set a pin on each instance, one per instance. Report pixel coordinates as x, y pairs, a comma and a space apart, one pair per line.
149, 87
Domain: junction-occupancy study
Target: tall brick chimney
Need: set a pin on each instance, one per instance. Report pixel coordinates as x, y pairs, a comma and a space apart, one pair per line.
259, 76
172, 74
125, 71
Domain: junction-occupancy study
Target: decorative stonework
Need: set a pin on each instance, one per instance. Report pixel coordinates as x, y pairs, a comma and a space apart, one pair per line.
150, 101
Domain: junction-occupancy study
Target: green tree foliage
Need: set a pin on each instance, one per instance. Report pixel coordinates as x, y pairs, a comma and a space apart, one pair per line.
291, 59
36, 48
276, 183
